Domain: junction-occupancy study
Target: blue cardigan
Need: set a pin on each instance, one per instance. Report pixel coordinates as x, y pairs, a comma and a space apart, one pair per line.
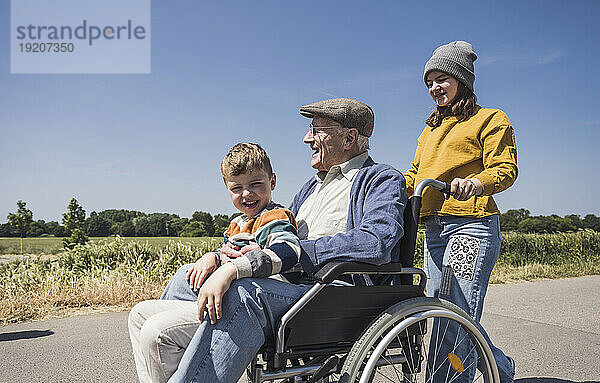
375, 220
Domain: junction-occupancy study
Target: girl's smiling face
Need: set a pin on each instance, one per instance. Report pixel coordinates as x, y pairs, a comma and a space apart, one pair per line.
442, 87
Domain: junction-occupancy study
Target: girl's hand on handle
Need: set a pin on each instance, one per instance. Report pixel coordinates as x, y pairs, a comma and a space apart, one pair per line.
463, 189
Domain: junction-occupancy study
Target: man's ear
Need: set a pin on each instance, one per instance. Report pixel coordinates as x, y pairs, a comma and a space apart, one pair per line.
351, 138
273, 181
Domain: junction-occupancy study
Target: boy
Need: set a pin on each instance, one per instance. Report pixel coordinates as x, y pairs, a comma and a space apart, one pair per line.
265, 234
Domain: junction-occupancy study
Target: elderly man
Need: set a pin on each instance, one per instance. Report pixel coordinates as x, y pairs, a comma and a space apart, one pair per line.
350, 211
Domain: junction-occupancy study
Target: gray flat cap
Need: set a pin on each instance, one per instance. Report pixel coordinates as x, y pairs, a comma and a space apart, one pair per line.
348, 112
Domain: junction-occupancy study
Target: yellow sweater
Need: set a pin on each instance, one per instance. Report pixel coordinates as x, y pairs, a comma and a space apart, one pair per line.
481, 147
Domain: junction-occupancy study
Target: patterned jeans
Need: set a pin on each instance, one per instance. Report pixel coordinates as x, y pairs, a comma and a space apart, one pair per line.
460, 253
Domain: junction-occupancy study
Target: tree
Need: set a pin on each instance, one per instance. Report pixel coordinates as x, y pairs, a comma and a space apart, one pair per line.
122, 215
207, 219
77, 237
221, 222
124, 229
592, 222
7, 230
142, 225
21, 220
510, 220
56, 229
531, 225
158, 223
96, 226
574, 220
74, 220
175, 226
37, 228
194, 229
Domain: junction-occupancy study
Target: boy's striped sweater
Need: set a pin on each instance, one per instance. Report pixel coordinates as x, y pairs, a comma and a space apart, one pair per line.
275, 231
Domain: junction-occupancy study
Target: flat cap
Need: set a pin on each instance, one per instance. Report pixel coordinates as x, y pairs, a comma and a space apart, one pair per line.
348, 112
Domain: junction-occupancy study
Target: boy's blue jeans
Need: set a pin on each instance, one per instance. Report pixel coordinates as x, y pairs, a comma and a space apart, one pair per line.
460, 253
221, 352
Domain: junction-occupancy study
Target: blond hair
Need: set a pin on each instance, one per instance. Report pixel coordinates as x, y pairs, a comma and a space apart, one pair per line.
245, 157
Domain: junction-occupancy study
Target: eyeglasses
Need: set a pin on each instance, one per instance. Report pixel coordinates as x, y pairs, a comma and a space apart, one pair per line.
314, 130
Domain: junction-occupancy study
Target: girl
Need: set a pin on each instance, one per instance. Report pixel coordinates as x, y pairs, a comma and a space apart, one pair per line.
473, 149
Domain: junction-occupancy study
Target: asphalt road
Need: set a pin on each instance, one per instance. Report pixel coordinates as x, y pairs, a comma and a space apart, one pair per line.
550, 328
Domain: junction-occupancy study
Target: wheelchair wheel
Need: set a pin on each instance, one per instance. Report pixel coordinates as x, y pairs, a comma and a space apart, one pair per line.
421, 340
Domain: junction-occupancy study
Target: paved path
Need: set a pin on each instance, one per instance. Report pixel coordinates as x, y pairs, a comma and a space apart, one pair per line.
551, 328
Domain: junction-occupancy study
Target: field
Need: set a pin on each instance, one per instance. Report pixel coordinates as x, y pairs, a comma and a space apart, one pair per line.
115, 273
53, 245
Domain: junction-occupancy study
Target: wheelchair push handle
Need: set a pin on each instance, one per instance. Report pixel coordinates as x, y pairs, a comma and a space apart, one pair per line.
439, 185
416, 205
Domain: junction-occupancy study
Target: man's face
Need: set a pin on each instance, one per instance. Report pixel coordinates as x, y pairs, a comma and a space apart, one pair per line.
326, 142
250, 192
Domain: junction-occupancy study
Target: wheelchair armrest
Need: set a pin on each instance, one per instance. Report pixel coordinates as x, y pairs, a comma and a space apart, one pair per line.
332, 270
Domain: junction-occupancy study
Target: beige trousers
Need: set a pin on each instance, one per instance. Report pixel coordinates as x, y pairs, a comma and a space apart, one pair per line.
160, 331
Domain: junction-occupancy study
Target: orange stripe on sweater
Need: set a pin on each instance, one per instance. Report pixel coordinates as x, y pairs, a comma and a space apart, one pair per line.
254, 224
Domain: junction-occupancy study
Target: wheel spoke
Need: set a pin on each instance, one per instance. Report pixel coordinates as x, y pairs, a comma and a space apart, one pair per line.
453, 351
466, 368
378, 372
456, 344
437, 348
479, 376
424, 349
409, 360
439, 320
393, 366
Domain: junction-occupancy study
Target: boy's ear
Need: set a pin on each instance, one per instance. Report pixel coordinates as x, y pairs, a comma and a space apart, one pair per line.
273, 181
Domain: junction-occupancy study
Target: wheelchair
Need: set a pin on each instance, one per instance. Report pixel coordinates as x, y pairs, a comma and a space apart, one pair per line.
378, 333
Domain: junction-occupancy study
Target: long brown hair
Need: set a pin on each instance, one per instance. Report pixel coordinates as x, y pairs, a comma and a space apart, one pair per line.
463, 107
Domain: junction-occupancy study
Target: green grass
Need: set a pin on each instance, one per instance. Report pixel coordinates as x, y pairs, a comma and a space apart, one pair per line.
54, 245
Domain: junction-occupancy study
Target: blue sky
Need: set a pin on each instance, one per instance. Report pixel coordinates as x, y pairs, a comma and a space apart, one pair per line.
225, 72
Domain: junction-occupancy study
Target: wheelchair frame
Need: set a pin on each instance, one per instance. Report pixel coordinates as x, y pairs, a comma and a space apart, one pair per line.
379, 319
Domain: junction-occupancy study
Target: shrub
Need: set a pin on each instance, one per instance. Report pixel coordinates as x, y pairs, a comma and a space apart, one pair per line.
108, 273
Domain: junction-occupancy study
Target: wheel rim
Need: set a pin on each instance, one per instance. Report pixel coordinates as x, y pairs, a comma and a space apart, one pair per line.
442, 363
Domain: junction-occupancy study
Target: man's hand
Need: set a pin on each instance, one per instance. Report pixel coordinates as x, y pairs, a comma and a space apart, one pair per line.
230, 250
201, 269
211, 293
249, 247
463, 189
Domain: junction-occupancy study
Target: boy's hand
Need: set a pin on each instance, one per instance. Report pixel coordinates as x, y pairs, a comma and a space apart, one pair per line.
202, 268
211, 293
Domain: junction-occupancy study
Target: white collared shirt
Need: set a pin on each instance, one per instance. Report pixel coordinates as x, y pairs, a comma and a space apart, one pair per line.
325, 211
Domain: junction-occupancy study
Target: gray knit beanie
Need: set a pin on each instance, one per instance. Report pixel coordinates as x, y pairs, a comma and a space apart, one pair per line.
456, 59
